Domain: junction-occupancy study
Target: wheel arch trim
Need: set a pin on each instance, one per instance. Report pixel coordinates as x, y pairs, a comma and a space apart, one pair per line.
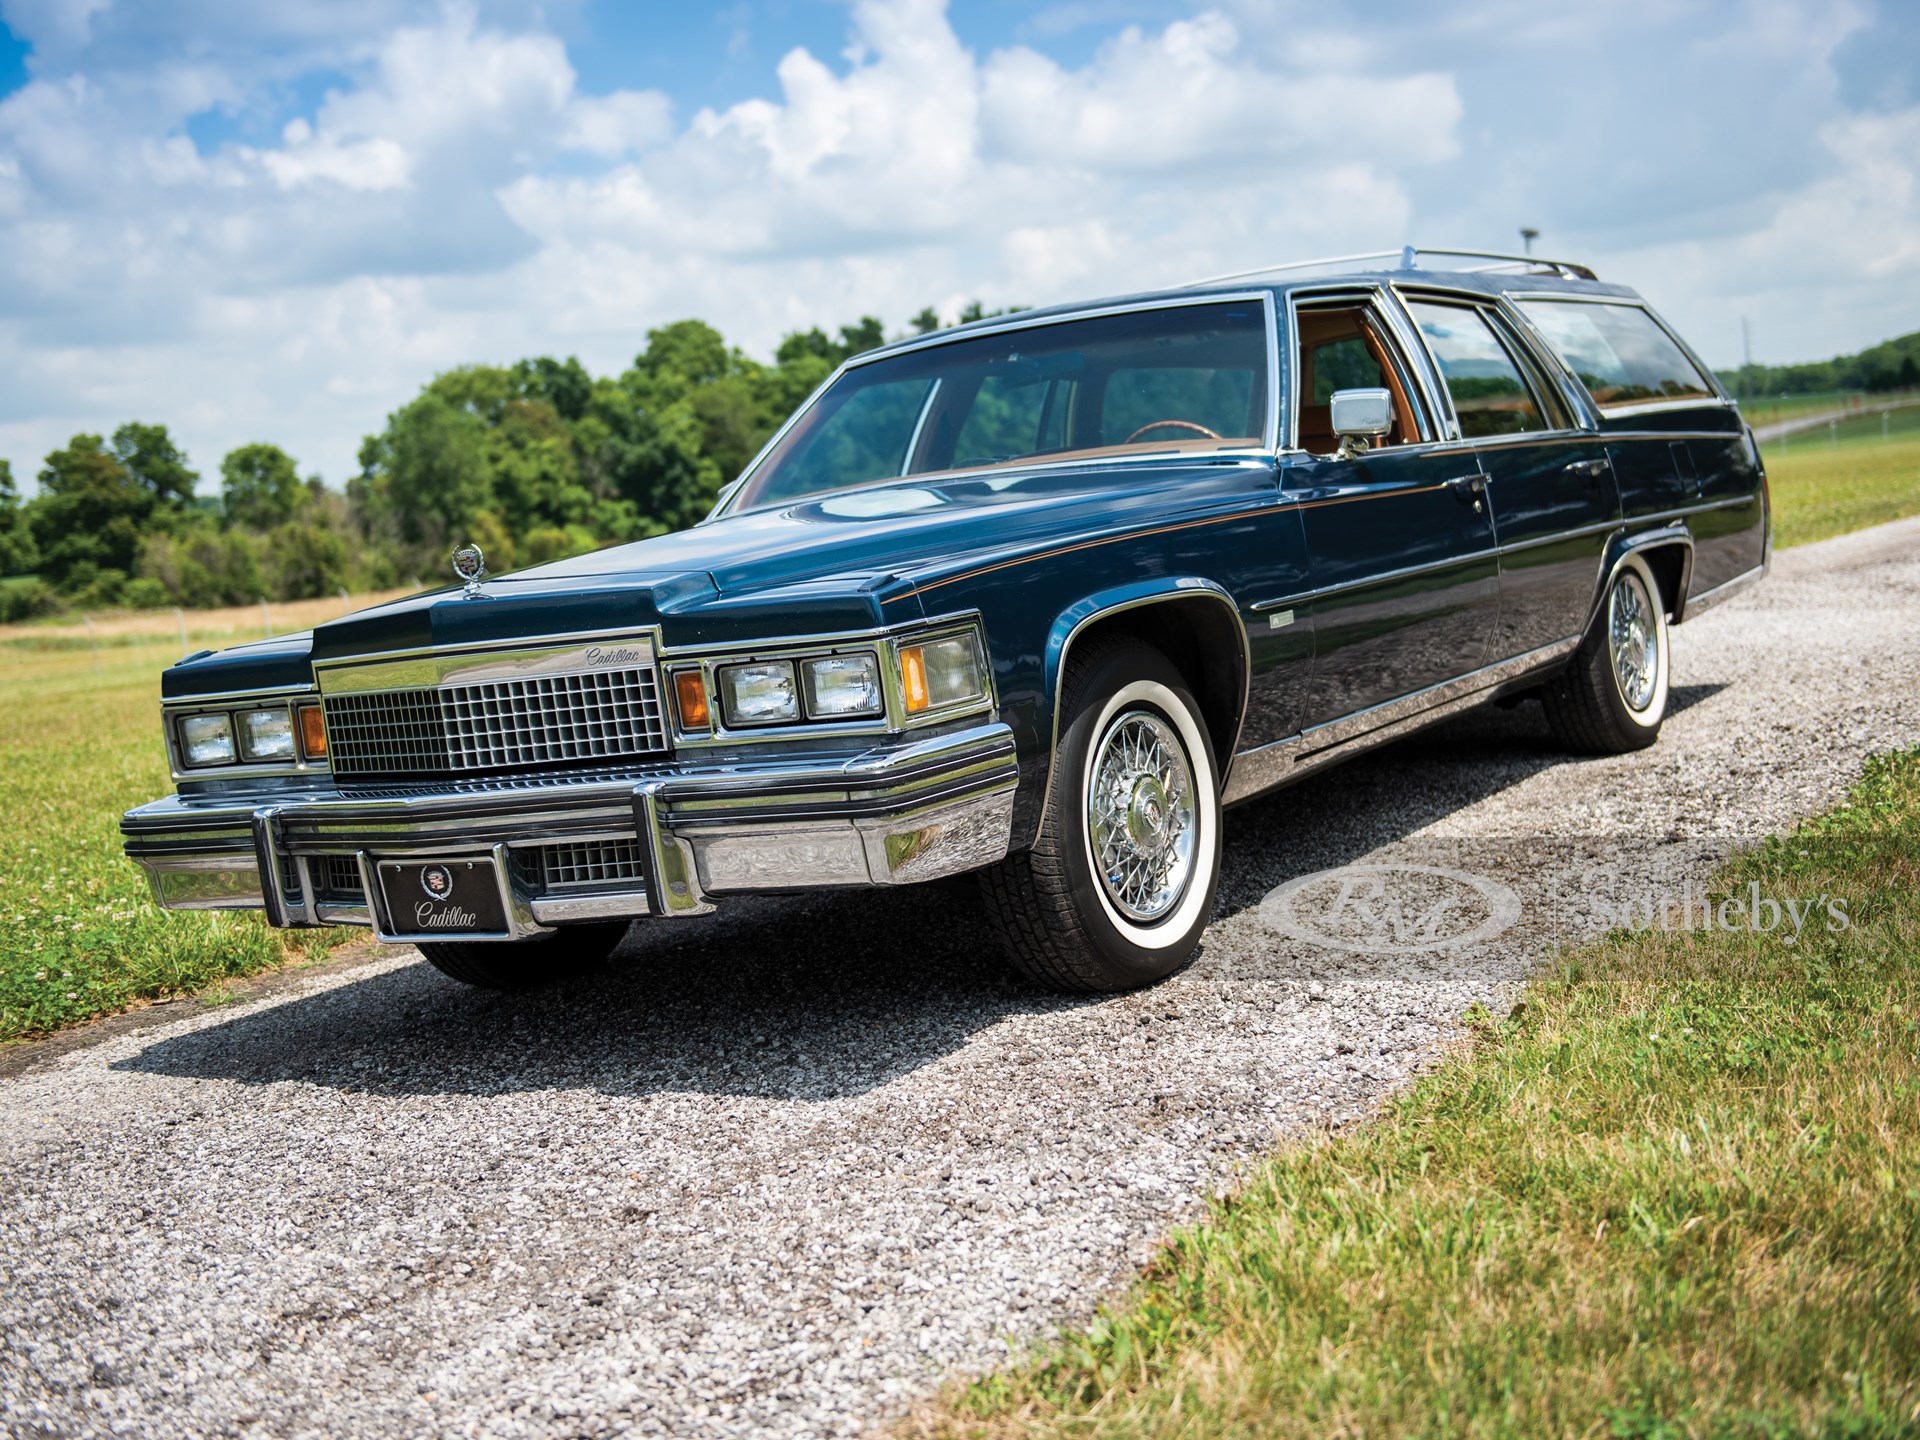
1102, 605
1675, 537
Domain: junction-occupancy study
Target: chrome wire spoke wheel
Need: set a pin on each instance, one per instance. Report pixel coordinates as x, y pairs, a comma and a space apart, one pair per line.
1633, 640
1140, 815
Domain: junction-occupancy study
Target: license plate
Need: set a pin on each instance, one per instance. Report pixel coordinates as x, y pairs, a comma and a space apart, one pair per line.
433, 898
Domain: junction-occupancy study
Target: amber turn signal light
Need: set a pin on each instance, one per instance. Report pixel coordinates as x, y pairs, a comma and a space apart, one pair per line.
313, 732
691, 691
913, 679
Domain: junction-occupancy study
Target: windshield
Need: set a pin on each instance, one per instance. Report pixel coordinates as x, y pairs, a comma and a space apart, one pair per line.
1183, 379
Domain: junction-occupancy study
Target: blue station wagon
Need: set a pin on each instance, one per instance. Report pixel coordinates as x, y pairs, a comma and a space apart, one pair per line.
1033, 598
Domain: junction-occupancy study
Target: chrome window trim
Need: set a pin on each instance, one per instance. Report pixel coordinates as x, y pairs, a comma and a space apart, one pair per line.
1269, 441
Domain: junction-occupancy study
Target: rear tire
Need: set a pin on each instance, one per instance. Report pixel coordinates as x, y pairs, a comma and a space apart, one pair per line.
1612, 697
1119, 886
523, 964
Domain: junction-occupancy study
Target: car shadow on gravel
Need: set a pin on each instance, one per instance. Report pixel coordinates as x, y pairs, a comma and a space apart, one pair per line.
813, 997
802, 997
1383, 796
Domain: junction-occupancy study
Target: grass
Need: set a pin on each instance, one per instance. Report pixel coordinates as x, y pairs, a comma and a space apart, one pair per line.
80, 743
1822, 489
1676, 1194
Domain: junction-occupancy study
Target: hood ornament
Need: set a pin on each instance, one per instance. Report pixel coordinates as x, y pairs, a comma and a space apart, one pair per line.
471, 566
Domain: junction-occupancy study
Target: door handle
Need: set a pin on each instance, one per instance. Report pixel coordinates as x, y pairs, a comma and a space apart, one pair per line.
1586, 469
1467, 487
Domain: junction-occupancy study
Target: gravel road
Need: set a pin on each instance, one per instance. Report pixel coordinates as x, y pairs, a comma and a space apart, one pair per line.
777, 1172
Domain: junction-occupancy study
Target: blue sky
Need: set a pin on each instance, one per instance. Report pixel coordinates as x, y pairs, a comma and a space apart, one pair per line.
275, 222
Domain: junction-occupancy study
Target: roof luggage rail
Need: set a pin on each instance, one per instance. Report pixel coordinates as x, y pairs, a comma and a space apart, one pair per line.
1407, 257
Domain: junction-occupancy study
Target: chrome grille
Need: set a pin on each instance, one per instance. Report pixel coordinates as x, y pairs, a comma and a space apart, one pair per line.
596, 862
538, 720
337, 876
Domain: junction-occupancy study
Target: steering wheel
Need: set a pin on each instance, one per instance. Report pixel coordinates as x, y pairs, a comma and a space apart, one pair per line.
1194, 426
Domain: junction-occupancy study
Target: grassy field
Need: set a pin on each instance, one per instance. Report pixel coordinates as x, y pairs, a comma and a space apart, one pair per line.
1829, 484
79, 743
1677, 1194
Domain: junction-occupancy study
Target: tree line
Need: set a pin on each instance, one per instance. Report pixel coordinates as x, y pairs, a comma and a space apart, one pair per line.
533, 461
1890, 365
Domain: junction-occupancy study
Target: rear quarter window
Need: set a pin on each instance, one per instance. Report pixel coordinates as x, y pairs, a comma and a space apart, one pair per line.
1620, 353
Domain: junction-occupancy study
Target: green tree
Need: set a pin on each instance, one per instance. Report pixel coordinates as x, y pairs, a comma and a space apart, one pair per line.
154, 463
424, 474
18, 554
260, 486
304, 560
89, 516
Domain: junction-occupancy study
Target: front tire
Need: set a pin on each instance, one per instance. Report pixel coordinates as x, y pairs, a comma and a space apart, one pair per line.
1119, 886
1612, 697
523, 964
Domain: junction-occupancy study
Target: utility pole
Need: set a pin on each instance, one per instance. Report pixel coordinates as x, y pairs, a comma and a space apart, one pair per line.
1746, 348
1527, 236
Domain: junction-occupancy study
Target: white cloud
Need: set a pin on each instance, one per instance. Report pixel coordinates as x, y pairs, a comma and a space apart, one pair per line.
1189, 98
455, 196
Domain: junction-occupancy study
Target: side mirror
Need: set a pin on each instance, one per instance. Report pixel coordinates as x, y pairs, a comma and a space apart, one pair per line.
1362, 414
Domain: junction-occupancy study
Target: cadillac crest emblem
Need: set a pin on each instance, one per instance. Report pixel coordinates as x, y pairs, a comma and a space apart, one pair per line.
471, 566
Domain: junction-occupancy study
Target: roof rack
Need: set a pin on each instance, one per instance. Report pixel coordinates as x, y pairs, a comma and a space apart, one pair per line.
1407, 257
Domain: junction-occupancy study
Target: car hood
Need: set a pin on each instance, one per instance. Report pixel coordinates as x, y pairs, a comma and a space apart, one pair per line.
849, 561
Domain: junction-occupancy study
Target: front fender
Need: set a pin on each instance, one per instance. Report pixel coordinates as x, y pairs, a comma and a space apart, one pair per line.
1108, 604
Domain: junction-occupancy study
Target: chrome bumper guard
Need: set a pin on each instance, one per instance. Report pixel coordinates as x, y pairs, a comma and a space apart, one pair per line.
892, 815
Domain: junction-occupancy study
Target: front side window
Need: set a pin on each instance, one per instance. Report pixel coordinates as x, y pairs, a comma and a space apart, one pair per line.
1188, 378
1619, 352
1490, 396
1344, 346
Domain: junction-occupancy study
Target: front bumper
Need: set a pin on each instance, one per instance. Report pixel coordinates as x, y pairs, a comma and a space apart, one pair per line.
605, 845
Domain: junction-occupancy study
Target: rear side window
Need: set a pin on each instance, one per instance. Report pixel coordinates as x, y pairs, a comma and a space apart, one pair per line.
1489, 394
1619, 352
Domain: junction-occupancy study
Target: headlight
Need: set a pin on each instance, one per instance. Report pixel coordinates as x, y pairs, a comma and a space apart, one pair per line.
839, 686
762, 694
207, 739
266, 734
941, 672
